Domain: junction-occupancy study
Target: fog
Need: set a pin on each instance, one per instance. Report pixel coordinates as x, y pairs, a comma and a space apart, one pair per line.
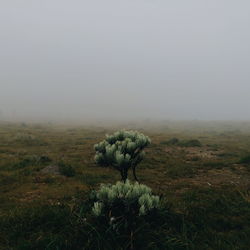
125, 59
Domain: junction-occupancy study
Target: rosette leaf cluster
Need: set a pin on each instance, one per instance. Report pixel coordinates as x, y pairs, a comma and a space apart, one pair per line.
124, 198
122, 150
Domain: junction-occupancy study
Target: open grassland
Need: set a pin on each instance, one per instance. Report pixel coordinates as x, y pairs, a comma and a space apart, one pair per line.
46, 169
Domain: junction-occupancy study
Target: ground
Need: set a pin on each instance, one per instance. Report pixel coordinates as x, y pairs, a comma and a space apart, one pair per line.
30, 155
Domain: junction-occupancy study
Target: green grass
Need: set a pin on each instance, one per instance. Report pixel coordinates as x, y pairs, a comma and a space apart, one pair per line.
36, 227
219, 219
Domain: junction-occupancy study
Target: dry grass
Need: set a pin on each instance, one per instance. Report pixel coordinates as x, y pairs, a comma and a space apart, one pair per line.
170, 170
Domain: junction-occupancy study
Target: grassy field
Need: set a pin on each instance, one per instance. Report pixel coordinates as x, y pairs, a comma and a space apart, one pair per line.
46, 169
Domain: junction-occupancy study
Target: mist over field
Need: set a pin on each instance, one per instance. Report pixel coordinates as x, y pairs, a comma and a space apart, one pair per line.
113, 59
125, 124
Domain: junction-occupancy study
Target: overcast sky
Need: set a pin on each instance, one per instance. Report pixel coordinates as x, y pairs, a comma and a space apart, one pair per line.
132, 59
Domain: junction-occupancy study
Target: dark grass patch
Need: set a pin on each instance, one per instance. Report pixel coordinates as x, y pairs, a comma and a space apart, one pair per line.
66, 169
93, 179
227, 154
8, 179
207, 219
59, 227
180, 170
173, 141
217, 219
36, 227
27, 161
184, 143
245, 160
215, 164
195, 158
190, 143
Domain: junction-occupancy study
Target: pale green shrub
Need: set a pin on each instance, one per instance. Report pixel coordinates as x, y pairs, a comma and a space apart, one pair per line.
122, 150
124, 198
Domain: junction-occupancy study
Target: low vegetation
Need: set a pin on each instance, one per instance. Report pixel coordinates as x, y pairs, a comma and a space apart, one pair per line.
185, 143
189, 197
66, 169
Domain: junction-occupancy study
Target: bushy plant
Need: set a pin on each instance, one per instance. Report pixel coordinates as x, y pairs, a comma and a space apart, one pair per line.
122, 150
128, 216
124, 199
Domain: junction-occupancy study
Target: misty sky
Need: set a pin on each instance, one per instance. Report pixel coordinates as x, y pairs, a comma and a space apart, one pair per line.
125, 59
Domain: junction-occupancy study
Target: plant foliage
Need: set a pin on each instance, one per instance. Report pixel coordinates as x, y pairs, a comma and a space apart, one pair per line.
122, 150
124, 198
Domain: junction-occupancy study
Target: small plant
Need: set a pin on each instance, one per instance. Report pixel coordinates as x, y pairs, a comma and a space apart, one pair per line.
66, 169
122, 150
124, 199
122, 207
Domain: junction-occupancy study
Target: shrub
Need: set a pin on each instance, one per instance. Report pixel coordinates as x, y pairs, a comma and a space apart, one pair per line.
66, 169
124, 214
124, 199
122, 150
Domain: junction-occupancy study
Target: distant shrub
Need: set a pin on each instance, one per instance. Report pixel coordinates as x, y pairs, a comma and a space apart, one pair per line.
191, 143
44, 159
176, 142
173, 141
66, 169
